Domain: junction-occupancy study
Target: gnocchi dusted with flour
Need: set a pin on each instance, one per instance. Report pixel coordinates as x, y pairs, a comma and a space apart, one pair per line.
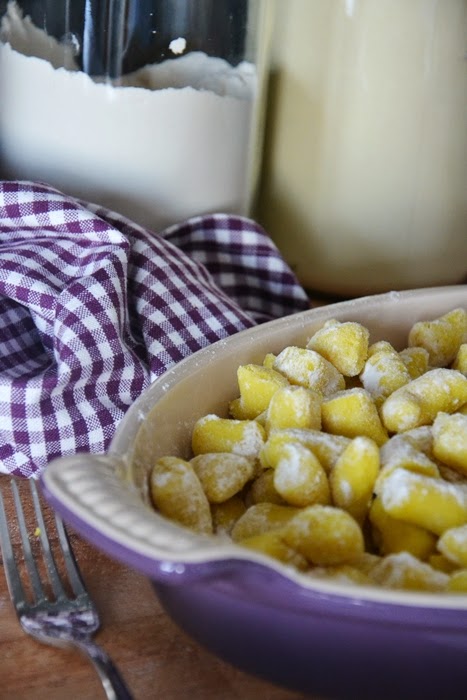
345, 459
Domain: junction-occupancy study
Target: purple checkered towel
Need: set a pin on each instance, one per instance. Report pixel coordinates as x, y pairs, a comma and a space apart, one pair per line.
94, 307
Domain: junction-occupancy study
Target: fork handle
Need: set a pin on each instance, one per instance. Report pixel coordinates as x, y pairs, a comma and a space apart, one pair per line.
112, 682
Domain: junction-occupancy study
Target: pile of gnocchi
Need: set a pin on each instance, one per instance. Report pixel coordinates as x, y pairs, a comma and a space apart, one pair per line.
345, 459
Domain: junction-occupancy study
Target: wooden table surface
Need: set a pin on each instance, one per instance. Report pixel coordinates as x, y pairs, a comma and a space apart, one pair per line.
156, 659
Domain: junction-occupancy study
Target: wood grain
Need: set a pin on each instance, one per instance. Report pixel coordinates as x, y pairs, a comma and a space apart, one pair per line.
156, 659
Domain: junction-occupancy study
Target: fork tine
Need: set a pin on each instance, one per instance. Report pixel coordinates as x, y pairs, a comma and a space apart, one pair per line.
28, 556
52, 571
70, 562
9, 564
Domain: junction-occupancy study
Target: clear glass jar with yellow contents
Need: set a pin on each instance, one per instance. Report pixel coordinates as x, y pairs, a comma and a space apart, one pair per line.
365, 181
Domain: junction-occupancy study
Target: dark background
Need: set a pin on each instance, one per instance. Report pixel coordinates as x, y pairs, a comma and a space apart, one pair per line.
217, 27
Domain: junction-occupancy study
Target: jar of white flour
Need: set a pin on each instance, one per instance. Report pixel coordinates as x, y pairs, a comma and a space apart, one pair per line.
152, 109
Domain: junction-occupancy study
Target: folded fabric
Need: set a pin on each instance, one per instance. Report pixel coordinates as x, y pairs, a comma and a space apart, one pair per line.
93, 308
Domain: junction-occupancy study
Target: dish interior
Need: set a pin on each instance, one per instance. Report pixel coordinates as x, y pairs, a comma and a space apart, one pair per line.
161, 422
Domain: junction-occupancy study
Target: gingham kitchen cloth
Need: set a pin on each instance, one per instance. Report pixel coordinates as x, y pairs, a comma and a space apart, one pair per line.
93, 308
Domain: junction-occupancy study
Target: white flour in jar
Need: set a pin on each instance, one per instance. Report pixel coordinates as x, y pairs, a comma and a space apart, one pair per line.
170, 141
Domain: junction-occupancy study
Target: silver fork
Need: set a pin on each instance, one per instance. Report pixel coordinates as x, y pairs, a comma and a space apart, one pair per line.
48, 612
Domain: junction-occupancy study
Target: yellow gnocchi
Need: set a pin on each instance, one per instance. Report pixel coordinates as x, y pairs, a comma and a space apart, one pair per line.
324, 535
441, 337
352, 479
434, 504
393, 535
309, 369
417, 361
460, 361
299, 477
177, 493
450, 440
294, 407
272, 543
222, 475
345, 345
453, 544
214, 434
383, 373
345, 459
257, 385
353, 413
420, 401
404, 571
261, 518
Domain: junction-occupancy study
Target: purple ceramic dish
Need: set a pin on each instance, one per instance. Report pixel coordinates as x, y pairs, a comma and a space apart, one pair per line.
321, 637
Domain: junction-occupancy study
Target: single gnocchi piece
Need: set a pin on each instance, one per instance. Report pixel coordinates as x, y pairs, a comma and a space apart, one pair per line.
441, 337
324, 535
453, 544
299, 477
309, 369
417, 361
353, 477
260, 518
222, 475
345, 345
450, 440
381, 346
214, 434
383, 373
392, 535
269, 360
433, 504
272, 544
257, 384
177, 494
406, 572
353, 413
419, 402
294, 407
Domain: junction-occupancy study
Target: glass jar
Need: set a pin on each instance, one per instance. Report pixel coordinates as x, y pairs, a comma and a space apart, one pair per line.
152, 108
365, 165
